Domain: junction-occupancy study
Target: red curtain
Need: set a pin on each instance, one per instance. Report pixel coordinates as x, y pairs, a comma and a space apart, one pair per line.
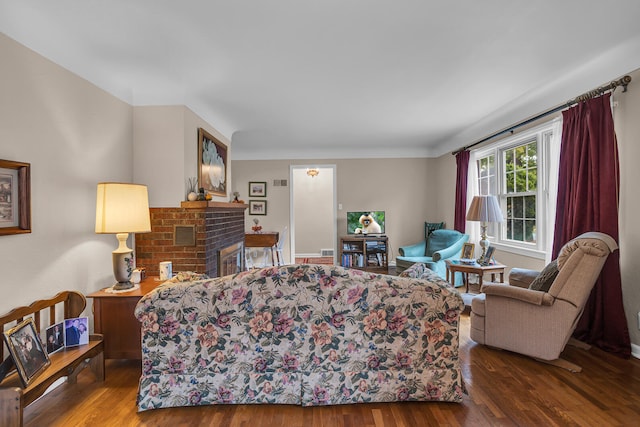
588, 188
462, 162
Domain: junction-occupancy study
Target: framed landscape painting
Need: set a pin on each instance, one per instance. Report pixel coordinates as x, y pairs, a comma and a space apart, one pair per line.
212, 164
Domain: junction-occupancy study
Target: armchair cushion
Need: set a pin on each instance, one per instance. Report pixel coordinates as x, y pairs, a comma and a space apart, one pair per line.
545, 279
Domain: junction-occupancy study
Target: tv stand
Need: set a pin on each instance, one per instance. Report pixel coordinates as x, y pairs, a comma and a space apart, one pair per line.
365, 252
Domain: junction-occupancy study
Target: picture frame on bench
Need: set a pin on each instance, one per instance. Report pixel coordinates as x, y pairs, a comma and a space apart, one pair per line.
55, 338
27, 351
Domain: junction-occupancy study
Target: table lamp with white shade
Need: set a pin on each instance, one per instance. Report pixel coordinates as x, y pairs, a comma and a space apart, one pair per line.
484, 209
122, 209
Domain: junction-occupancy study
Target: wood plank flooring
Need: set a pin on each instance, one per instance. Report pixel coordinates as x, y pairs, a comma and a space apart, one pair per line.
504, 389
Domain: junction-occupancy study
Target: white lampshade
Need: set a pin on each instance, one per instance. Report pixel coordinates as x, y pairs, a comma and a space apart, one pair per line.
485, 209
122, 209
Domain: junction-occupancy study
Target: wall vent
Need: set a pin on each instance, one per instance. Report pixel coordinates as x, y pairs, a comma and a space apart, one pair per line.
184, 235
326, 252
279, 182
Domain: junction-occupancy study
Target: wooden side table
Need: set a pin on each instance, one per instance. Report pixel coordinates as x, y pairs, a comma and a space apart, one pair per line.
480, 270
114, 318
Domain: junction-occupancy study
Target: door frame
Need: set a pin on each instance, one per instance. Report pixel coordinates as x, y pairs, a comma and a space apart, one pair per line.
334, 201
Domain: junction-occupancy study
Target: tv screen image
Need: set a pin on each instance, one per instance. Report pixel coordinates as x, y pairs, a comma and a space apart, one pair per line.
365, 222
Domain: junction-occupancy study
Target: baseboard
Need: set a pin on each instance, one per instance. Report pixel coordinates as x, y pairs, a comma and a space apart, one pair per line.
635, 351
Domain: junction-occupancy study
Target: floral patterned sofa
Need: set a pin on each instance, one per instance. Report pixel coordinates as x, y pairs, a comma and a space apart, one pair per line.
300, 334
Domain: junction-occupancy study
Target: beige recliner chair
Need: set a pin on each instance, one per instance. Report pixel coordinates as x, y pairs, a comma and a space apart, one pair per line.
540, 323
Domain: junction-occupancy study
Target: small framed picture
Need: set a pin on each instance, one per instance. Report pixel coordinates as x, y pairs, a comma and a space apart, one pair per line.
54, 337
26, 350
257, 189
76, 331
468, 251
257, 207
488, 255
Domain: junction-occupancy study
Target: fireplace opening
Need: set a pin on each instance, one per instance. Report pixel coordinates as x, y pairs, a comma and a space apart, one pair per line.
231, 259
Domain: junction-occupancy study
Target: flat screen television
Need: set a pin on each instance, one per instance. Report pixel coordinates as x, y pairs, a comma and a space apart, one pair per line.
365, 223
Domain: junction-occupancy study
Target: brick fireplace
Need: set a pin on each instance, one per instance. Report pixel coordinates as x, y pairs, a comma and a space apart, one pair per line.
192, 236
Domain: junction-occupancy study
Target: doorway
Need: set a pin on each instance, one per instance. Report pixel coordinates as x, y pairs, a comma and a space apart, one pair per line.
313, 202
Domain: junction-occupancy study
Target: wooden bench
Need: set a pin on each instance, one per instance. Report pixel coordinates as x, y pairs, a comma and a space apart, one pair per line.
67, 362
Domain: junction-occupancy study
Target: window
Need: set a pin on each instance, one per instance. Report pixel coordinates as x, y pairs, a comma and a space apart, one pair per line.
511, 170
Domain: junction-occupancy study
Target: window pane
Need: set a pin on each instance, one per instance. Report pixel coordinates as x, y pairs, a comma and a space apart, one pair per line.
509, 179
530, 207
518, 207
530, 231
509, 208
532, 155
520, 157
509, 229
518, 230
492, 164
533, 180
508, 161
521, 181
484, 187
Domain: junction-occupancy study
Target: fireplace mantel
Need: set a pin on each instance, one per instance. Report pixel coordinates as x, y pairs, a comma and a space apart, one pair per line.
211, 204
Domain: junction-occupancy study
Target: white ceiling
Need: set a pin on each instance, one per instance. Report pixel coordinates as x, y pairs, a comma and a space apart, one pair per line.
338, 78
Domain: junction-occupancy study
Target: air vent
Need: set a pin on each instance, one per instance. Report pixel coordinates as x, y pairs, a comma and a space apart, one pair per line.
279, 182
184, 235
326, 252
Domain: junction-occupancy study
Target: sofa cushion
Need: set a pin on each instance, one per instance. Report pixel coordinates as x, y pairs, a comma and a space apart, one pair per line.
545, 279
441, 239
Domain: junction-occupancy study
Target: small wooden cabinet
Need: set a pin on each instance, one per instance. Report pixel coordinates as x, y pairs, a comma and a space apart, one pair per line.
368, 253
114, 319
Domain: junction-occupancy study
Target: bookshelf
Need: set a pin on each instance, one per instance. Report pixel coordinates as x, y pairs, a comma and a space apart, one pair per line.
368, 253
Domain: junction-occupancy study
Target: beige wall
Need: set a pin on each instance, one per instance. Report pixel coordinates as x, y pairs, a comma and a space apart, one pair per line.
74, 135
400, 187
165, 141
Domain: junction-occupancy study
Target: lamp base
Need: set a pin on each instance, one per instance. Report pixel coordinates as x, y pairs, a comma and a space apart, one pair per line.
120, 286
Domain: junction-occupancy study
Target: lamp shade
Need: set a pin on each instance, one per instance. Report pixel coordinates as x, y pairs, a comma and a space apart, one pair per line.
485, 209
122, 208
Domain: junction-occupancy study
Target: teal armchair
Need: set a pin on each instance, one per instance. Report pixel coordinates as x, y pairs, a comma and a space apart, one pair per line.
439, 246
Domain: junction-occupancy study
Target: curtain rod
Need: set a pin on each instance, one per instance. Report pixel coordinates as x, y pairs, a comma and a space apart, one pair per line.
624, 81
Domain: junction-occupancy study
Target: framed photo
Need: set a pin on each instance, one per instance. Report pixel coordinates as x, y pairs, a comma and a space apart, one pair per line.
257, 207
15, 197
26, 350
76, 331
488, 255
468, 251
212, 164
257, 189
54, 337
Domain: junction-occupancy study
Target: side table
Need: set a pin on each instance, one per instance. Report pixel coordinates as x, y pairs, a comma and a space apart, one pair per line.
114, 318
480, 270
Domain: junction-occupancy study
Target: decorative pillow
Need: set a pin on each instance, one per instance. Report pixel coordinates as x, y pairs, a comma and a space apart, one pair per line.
545, 279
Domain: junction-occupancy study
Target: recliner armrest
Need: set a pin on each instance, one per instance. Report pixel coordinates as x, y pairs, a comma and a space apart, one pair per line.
514, 292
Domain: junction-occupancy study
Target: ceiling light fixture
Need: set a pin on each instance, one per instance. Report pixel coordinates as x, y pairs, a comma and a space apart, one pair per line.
313, 172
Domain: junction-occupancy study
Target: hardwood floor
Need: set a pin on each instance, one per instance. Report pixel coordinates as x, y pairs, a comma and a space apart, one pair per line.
504, 389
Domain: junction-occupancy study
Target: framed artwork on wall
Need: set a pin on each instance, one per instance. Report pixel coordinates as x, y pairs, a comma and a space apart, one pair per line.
26, 350
15, 197
257, 207
212, 164
257, 189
